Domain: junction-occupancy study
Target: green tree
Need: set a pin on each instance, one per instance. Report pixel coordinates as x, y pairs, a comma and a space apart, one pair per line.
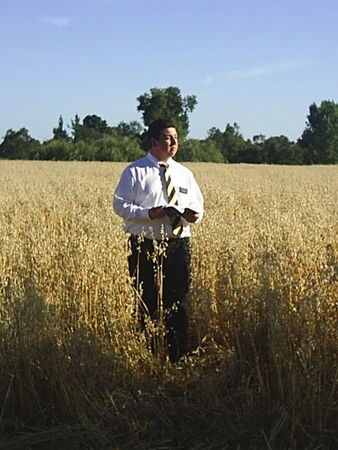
199, 151
19, 145
56, 150
278, 150
259, 139
230, 141
94, 122
215, 135
167, 103
320, 137
92, 127
83, 151
75, 127
254, 153
126, 149
131, 129
297, 154
107, 148
59, 133
251, 153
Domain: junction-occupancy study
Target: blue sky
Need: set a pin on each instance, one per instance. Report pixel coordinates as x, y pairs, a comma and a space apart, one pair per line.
257, 62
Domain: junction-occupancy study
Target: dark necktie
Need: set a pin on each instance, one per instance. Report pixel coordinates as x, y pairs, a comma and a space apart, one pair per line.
177, 226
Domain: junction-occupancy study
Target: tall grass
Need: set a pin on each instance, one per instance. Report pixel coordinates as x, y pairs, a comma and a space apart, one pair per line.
76, 372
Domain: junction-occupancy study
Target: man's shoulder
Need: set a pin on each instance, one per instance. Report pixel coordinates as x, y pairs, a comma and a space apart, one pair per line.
139, 163
181, 168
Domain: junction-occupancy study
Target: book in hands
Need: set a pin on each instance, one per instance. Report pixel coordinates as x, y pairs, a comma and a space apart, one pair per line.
188, 210
174, 210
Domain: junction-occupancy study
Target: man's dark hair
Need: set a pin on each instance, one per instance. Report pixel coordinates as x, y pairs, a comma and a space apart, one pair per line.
156, 127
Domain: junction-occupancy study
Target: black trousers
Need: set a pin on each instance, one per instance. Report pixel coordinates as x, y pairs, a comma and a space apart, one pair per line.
161, 274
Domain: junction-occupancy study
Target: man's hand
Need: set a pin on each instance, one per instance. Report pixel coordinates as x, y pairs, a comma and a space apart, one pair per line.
190, 216
157, 213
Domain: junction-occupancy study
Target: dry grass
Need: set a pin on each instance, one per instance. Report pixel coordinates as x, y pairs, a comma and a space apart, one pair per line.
75, 373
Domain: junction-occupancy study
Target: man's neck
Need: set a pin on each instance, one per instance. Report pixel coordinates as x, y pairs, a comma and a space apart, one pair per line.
160, 160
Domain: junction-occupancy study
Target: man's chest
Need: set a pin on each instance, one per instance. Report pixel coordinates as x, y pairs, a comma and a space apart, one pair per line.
156, 186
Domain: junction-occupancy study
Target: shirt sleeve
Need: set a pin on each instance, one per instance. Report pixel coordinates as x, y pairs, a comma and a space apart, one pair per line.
124, 199
196, 202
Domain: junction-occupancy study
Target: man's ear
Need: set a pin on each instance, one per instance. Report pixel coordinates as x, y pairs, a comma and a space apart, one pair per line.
153, 142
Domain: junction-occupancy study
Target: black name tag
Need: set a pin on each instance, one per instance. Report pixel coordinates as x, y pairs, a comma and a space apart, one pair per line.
183, 190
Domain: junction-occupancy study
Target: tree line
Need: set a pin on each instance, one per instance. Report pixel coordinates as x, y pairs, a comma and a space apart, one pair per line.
92, 139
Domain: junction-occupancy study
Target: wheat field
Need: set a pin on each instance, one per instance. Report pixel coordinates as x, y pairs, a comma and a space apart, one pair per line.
75, 371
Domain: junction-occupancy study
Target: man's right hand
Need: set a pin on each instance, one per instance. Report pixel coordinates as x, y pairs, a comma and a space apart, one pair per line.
157, 213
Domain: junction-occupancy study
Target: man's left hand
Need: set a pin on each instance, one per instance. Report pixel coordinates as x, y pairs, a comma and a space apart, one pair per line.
190, 216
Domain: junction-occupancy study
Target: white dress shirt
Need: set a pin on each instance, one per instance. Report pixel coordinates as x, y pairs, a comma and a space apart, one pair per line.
142, 187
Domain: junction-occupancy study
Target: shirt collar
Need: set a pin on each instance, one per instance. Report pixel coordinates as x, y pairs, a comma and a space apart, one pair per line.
155, 161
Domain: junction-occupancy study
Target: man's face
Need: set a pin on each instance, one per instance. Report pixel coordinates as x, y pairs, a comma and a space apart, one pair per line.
166, 146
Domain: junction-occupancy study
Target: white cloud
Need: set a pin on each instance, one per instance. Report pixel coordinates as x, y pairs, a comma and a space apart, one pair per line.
270, 69
57, 21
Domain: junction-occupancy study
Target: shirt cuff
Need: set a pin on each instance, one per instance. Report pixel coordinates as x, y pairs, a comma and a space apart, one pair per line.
143, 214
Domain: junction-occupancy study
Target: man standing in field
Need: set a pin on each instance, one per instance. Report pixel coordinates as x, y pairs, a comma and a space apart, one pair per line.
158, 198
